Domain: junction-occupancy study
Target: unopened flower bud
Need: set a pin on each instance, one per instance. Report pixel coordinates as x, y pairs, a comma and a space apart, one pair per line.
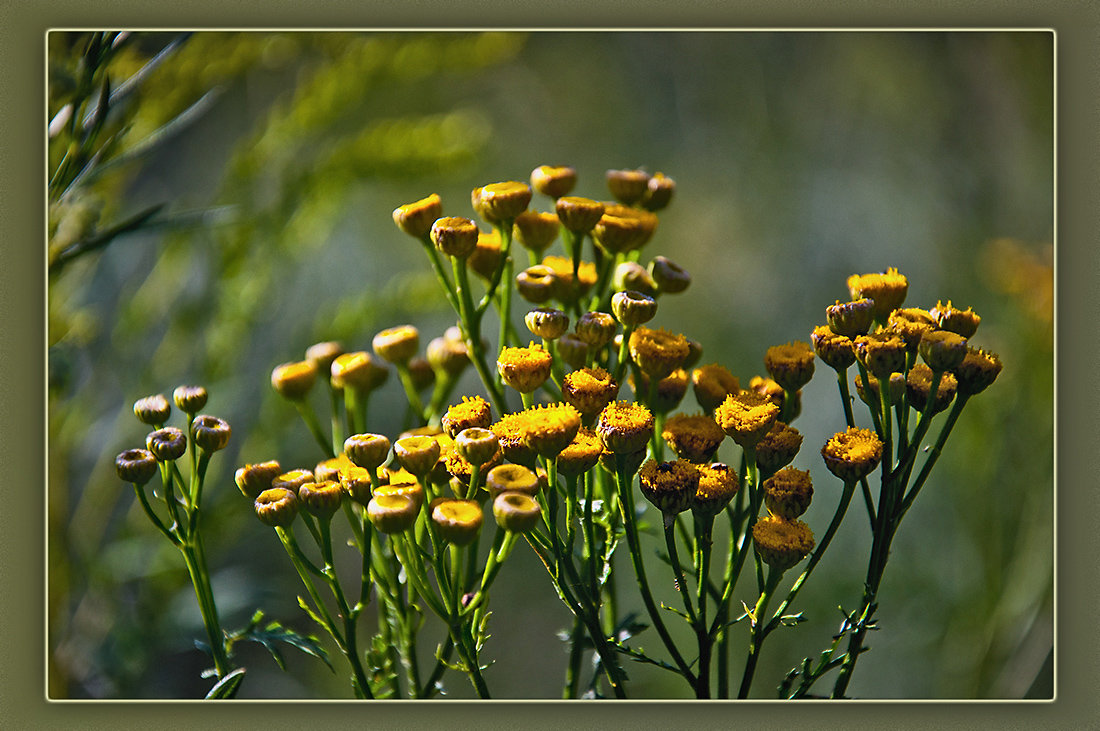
633, 308
790, 365
628, 186
777, 448
418, 455
392, 513
367, 450
658, 192
455, 236
447, 356
950, 318
190, 399
277, 507
516, 512
781, 543
693, 437
485, 259
357, 370
851, 318
669, 276
511, 478
476, 445
712, 384
787, 493
293, 381
572, 350
577, 214
321, 499
536, 284
536, 231
918, 386
589, 391
499, 202
837, 351
322, 354
210, 433
881, 353
547, 322
252, 479
632, 276
596, 329
166, 444
416, 219
457, 521
136, 466
553, 181
152, 410
942, 350
397, 344
581, 454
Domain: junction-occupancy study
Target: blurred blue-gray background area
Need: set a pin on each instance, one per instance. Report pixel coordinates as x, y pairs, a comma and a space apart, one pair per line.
799, 158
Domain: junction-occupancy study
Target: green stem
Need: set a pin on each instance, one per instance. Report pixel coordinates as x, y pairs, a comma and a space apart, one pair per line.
757, 640
310, 419
411, 394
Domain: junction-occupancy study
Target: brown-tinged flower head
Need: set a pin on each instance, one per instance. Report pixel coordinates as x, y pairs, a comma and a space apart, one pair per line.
291, 480
621, 229
628, 186
457, 521
589, 390
851, 318
670, 486
787, 493
418, 455
516, 512
550, 429
630, 275
694, 437
790, 365
485, 259
670, 390
359, 370
293, 380
547, 322
573, 350
136, 466
476, 445
780, 543
447, 356
190, 399
778, 448
567, 288
455, 236
511, 432
896, 384
210, 433
553, 180
394, 513
950, 318
368, 451
166, 444
746, 417
624, 427
402, 484
718, 483
886, 290
632, 308
581, 454
942, 350
497, 202
252, 479
535, 231
910, 323
669, 276
657, 352
524, 369
881, 353
322, 354
837, 351
321, 499
768, 388
421, 373
918, 385
695, 353
356, 483
152, 410
276, 507
329, 469
416, 219
537, 284
853, 454
596, 329
397, 344
712, 384
659, 191
511, 478
471, 411
577, 214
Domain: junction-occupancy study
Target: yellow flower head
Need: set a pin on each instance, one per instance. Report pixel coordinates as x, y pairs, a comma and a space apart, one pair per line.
553, 180
790, 365
837, 351
746, 417
778, 448
624, 427
693, 437
950, 318
718, 483
536, 231
918, 385
589, 391
499, 202
329, 470
457, 521
942, 350
852, 454
657, 352
550, 429
712, 384
886, 290
581, 454
670, 390
910, 323
851, 318
628, 186
881, 353
397, 344
512, 435
782, 543
469, 412
524, 369
578, 214
357, 370
293, 381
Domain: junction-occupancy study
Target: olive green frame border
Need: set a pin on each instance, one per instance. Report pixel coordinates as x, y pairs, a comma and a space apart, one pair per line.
23, 24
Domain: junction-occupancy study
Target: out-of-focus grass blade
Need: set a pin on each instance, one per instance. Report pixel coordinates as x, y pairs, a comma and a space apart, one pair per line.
131, 84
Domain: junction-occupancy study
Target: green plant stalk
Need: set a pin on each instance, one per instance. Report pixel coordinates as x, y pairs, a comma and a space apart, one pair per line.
757, 633
153, 516
930, 462
470, 320
314, 426
626, 498
411, 394
624, 350
505, 230
352, 648
440, 274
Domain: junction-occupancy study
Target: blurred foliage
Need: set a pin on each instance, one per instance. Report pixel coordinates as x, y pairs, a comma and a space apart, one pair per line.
800, 158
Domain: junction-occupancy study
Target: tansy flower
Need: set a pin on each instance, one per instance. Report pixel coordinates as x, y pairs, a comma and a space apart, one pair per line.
718, 483
712, 384
657, 352
886, 290
693, 437
670, 486
624, 427
471, 411
746, 417
790, 365
788, 492
780, 543
524, 369
852, 454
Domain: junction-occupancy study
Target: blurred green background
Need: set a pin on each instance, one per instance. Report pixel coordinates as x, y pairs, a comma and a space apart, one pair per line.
800, 158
